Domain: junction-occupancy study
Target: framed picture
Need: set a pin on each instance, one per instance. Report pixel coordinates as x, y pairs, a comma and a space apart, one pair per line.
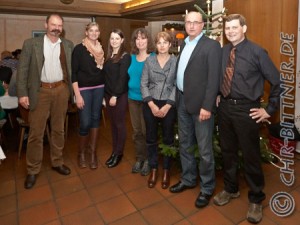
38, 33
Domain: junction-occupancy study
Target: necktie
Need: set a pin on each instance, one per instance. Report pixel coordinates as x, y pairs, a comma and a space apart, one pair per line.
226, 85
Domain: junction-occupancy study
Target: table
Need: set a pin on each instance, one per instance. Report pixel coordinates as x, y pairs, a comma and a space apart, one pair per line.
9, 104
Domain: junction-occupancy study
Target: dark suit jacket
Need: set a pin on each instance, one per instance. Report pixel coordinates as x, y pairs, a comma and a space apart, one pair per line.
30, 68
201, 76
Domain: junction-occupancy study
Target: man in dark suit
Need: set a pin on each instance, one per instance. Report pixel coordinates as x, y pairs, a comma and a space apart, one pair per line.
197, 83
44, 87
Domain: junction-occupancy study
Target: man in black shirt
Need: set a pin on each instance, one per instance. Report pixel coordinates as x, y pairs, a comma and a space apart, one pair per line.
247, 65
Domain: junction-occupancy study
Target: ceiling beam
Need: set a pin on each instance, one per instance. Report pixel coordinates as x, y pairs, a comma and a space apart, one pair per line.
154, 10
77, 7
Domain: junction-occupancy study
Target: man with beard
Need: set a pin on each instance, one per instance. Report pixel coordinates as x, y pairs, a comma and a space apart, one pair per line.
44, 87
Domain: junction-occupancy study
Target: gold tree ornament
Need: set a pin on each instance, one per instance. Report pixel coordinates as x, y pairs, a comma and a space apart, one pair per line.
67, 1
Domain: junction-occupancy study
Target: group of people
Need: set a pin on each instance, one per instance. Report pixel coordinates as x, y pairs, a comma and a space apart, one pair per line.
8, 71
159, 89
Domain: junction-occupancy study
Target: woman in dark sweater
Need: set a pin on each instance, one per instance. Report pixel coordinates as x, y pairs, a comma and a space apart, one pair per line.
116, 97
88, 84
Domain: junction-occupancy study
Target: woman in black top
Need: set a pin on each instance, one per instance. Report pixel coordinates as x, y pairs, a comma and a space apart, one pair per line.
88, 84
116, 96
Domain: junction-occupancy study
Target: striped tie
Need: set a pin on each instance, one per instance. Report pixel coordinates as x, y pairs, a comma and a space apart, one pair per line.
226, 86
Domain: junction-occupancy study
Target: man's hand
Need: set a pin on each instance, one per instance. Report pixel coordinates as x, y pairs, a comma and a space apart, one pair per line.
204, 115
218, 99
259, 114
24, 101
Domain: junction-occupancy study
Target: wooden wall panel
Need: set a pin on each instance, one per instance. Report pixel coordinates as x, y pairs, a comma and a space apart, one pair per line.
126, 25
14, 29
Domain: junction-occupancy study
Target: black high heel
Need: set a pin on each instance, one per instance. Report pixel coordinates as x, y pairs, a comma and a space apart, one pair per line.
115, 161
110, 159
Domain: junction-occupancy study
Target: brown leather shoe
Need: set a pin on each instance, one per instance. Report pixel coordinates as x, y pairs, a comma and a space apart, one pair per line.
152, 178
165, 183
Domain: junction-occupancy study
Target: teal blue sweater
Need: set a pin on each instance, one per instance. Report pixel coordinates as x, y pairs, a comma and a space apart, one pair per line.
135, 71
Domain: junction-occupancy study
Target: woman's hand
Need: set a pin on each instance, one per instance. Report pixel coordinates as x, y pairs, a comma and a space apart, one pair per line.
164, 110
79, 102
113, 101
154, 109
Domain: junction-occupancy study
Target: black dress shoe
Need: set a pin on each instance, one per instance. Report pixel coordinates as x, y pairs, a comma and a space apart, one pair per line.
202, 200
115, 161
63, 170
179, 187
110, 159
30, 181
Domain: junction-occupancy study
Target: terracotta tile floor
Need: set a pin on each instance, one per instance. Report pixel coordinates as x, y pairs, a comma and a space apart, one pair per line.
116, 196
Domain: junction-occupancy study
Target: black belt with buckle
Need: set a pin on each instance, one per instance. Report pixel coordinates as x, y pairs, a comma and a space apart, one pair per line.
238, 101
181, 92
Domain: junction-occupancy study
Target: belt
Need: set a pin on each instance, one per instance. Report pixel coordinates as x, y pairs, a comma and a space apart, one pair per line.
181, 92
52, 85
238, 101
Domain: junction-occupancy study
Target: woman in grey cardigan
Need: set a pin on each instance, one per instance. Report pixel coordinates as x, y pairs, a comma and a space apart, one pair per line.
158, 87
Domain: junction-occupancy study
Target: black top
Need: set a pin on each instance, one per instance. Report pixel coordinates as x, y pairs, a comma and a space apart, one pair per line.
116, 77
5, 74
252, 67
84, 68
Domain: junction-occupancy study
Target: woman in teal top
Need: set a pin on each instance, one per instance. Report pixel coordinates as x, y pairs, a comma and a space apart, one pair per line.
141, 48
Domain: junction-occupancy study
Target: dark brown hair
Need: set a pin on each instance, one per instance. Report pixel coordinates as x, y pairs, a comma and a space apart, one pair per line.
54, 14
116, 58
145, 34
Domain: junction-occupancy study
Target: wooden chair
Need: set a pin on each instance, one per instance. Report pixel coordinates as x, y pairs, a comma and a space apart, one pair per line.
72, 109
2, 137
23, 125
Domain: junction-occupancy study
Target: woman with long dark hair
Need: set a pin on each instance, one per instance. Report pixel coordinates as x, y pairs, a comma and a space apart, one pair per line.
116, 93
141, 48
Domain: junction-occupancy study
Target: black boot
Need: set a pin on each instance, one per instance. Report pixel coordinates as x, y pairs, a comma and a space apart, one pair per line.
110, 159
115, 161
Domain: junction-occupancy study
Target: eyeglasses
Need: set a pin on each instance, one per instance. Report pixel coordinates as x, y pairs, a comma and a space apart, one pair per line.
195, 23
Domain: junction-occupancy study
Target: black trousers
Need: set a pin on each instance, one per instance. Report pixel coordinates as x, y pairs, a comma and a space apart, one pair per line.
152, 123
239, 131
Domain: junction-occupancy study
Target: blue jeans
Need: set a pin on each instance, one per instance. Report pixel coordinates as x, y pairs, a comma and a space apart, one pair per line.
192, 133
91, 113
152, 123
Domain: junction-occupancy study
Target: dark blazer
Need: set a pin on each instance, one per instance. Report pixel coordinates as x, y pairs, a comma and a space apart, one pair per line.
30, 68
201, 76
